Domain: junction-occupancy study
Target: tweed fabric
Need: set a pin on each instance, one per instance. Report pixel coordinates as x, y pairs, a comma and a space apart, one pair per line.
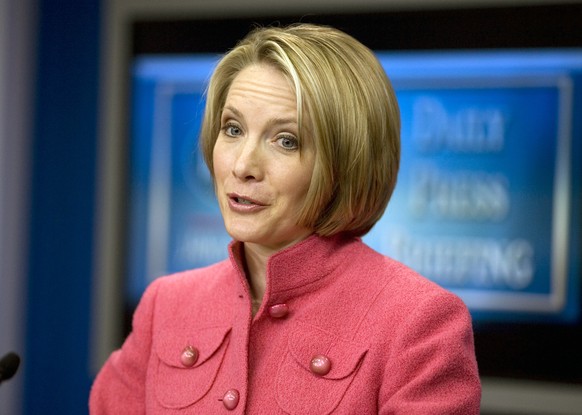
397, 342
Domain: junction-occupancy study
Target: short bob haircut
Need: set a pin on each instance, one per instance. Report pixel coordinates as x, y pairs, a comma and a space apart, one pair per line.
353, 118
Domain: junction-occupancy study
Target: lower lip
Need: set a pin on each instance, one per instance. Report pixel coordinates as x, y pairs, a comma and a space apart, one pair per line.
244, 207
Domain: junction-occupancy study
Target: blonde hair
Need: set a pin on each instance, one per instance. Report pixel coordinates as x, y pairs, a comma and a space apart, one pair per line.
353, 118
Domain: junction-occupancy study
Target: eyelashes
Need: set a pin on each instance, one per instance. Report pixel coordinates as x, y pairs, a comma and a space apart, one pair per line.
288, 142
285, 141
231, 129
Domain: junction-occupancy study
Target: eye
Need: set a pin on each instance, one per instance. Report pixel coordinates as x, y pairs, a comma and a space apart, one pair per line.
288, 142
232, 130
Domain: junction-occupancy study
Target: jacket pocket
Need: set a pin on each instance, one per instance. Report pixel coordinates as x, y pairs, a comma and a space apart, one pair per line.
299, 389
177, 385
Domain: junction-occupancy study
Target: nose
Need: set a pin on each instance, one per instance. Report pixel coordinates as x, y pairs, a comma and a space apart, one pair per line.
249, 160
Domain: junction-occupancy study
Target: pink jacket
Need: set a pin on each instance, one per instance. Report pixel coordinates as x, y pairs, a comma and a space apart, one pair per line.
342, 330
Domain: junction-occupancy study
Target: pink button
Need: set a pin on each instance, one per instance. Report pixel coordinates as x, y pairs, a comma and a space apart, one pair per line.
320, 365
189, 356
230, 399
279, 310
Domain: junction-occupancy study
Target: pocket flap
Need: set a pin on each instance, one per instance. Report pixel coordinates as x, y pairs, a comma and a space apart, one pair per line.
178, 386
170, 344
308, 341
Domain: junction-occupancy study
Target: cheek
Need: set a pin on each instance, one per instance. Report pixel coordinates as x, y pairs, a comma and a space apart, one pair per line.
219, 163
302, 183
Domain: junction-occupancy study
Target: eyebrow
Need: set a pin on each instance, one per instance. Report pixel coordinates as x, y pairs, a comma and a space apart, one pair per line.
232, 109
272, 121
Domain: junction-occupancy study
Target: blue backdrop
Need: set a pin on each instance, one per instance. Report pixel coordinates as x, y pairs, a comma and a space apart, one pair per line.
486, 196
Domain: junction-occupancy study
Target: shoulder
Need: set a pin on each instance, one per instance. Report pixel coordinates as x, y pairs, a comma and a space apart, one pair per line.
389, 275
398, 296
188, 293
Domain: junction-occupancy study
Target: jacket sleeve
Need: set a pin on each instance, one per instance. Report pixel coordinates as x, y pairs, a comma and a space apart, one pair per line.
432, 367
119, 387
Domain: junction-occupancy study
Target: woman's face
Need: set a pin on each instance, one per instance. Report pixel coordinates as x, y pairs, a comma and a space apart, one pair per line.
262, 174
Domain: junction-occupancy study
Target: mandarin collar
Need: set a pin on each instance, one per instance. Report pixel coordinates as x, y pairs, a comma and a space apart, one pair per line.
297, 267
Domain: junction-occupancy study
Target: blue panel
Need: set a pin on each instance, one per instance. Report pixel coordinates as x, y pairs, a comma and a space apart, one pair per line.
487, 196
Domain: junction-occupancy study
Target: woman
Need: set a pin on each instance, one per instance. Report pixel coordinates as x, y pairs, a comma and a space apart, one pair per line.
301, 135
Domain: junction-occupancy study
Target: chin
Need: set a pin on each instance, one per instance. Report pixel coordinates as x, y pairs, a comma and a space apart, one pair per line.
245, 235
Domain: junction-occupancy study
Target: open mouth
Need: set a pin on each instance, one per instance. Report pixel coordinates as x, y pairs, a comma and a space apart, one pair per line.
244, 201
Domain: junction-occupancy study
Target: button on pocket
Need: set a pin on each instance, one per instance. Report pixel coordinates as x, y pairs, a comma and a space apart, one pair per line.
316, 388
320, 365
180, 380
189, 356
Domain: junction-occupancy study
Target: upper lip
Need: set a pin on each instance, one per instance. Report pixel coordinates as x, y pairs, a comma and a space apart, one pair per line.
239, 196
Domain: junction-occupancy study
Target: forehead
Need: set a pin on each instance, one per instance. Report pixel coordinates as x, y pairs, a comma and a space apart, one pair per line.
262, 84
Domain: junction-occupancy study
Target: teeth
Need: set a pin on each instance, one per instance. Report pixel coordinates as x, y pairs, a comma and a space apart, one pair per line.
243, 201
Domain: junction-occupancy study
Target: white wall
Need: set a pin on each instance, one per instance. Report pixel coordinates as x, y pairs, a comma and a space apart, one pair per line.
16, 21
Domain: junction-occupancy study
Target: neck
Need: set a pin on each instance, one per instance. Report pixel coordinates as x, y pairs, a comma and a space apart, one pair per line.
256, 258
